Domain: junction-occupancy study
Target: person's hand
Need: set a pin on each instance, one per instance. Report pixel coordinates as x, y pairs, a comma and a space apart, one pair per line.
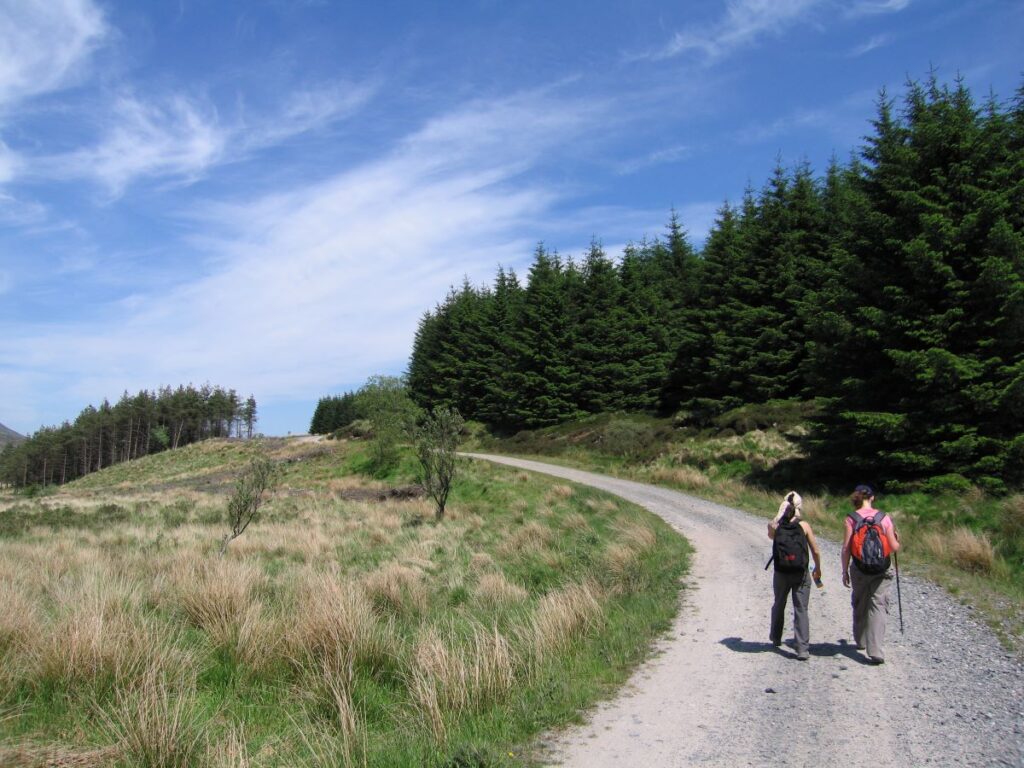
816, 574
846, 578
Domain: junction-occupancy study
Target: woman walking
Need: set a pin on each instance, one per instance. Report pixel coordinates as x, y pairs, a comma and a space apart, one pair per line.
869, 541
791, 539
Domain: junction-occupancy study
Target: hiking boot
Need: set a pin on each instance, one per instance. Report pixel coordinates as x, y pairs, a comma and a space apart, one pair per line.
775, 642
803, 656
876, 660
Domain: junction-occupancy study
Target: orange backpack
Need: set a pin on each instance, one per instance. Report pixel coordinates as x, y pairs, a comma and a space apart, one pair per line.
869, 545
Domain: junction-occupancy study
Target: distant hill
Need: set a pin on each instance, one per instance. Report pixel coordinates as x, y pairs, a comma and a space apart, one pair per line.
9, 436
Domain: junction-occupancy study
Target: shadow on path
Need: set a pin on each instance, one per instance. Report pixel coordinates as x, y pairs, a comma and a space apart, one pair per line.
840, 648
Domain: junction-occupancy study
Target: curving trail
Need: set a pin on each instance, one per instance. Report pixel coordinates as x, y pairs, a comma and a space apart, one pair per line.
948, 694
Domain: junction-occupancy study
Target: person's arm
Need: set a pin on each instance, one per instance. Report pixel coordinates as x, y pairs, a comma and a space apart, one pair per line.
846, 553
892, 536
772, 528
815, 552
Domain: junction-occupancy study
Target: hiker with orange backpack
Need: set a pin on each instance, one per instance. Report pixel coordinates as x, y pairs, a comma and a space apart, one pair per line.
791, 537
870, 541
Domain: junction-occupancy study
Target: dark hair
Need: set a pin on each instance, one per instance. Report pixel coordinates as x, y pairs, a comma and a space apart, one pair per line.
860, 494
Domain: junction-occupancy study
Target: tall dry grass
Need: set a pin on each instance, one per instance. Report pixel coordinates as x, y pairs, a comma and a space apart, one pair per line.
232, 751
967, 550
333, 621
157, 724
971, 551
562, 617
397, 589
494, 590
451, 675
98, 635
682, 476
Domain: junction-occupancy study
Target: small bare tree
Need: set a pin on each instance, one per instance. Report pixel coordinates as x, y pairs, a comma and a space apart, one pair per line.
436, 448
256, 482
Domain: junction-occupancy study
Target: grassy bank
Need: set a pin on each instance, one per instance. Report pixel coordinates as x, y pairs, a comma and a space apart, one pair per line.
346, 627
968, 541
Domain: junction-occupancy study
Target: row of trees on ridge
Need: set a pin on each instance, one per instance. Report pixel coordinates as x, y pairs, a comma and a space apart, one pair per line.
135, 426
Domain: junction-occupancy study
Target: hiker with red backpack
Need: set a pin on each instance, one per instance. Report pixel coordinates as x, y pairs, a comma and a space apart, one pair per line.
791, 537
870, 542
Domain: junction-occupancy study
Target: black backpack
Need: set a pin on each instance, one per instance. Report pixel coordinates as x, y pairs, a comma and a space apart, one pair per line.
789, 548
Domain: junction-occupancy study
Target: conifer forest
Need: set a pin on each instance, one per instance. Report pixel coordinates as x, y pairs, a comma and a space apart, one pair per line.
889, 291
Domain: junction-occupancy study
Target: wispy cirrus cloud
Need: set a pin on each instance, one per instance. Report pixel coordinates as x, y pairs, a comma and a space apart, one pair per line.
180, 138
874, 7
744, 22
44, 45
325, 283
663, 156
874, 43
177, 138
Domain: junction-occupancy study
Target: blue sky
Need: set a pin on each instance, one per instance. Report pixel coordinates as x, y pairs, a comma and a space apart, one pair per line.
268, 195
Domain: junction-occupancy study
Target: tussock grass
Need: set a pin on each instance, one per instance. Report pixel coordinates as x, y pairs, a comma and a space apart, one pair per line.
684, 477
334, 623
494, 590
634, 534
232, 751
451, 674
562, 616
338, 632
156, 725
531, 538
971, 551
398, 589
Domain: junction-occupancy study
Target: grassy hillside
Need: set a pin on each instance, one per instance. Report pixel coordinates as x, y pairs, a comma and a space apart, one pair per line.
8, 435
971, 542
344, 628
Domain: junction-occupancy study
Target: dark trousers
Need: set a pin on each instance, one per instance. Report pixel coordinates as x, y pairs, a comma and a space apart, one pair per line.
800, 585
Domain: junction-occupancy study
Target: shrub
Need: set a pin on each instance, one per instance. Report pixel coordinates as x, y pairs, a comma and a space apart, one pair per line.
951, 483
436, 446
253, 485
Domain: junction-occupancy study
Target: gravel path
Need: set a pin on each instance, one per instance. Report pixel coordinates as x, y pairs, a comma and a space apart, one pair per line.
718, 694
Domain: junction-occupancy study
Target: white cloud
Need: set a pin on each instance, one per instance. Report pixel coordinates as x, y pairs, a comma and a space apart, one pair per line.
8, 163
178, 138
305, 110
665, 156
745, 21
43, 44
878, 41
325, 284
875, 7
181, 138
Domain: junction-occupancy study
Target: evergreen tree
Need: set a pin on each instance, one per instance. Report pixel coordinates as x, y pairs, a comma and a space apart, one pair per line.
544, 371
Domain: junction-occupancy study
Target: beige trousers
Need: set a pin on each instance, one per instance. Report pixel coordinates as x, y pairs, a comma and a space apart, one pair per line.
870, 601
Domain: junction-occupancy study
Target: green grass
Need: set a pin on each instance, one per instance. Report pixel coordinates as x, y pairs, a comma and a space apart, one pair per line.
131, 545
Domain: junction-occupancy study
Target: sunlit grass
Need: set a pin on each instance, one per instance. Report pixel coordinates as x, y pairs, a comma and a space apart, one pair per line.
336, 631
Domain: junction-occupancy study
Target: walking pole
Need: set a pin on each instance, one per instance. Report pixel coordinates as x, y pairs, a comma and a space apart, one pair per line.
899, 597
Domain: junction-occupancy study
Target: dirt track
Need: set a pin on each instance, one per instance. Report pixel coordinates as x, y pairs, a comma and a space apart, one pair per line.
718, 694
